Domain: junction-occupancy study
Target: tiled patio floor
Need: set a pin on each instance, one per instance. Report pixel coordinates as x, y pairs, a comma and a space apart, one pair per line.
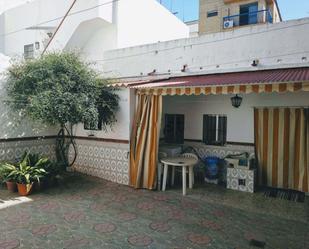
93, 213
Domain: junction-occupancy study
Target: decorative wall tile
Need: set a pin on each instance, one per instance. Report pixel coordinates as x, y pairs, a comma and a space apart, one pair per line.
10, 151
234, 175
103, 159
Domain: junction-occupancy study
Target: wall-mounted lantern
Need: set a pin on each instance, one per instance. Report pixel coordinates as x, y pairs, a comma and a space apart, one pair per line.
236, 101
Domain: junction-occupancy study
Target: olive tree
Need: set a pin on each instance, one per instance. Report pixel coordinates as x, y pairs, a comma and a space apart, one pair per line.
59, 89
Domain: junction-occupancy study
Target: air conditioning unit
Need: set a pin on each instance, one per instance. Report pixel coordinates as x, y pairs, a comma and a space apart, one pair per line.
228, 24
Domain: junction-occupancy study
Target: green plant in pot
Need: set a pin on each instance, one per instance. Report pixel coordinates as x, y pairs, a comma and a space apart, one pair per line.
52, 169
5, 177
26, 175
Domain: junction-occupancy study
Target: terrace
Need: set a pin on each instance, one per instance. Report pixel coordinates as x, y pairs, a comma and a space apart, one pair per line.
87, 212
249, 18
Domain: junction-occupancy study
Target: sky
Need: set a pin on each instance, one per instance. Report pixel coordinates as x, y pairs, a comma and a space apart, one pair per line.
187, 10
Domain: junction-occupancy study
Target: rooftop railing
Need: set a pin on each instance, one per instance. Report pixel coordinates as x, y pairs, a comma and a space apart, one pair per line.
254, 17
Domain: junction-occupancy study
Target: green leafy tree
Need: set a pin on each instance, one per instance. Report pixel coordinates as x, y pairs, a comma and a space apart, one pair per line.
59, 89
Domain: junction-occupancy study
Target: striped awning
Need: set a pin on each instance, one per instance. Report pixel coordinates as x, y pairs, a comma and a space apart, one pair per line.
276, 80
233, 89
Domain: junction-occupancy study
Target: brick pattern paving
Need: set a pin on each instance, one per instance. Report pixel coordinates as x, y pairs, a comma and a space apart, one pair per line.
88, 212
9, 244
140, 240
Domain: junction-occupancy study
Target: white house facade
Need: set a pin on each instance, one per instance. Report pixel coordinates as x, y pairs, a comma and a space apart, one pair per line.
148, 47
263, 48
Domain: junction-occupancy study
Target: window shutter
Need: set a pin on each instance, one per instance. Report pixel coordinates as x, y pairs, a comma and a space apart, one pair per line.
222, 130
169, 128
209, 129
213, 133
180, 127
174, 128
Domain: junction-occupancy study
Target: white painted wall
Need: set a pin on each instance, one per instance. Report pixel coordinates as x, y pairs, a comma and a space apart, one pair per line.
18, 19
92, 38
121, 129
146, 21
4, 6
49, 13
93, 25
275, 45
134, 22
83, 12
240, 126
8, 4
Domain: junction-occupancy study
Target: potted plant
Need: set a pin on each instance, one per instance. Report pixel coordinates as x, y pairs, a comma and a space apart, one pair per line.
5, 170
5, 177
52, 170
26, 175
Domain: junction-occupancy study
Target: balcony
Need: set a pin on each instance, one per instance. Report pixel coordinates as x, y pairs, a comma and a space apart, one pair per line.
253, 17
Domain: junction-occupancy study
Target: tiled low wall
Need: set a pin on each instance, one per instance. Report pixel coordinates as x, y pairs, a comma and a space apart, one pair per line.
12, 150
104, 159
220, 151
108, 160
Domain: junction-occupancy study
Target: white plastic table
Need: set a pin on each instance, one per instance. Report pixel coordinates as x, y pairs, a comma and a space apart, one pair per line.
185, 163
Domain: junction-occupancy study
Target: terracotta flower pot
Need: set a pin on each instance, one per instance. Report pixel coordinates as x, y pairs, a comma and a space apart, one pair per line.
24, 189
11, 186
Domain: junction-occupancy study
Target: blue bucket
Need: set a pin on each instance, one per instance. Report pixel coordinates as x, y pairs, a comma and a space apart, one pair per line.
212, 167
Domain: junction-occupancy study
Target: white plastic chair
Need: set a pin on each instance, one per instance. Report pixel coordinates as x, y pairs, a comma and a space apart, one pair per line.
190, 155
160, 167
187, 155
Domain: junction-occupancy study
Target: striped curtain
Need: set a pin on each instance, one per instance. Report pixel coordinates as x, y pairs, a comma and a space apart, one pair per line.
145, 141
282, 147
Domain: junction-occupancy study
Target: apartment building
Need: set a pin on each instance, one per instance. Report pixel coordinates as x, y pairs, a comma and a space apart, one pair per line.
221, 15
